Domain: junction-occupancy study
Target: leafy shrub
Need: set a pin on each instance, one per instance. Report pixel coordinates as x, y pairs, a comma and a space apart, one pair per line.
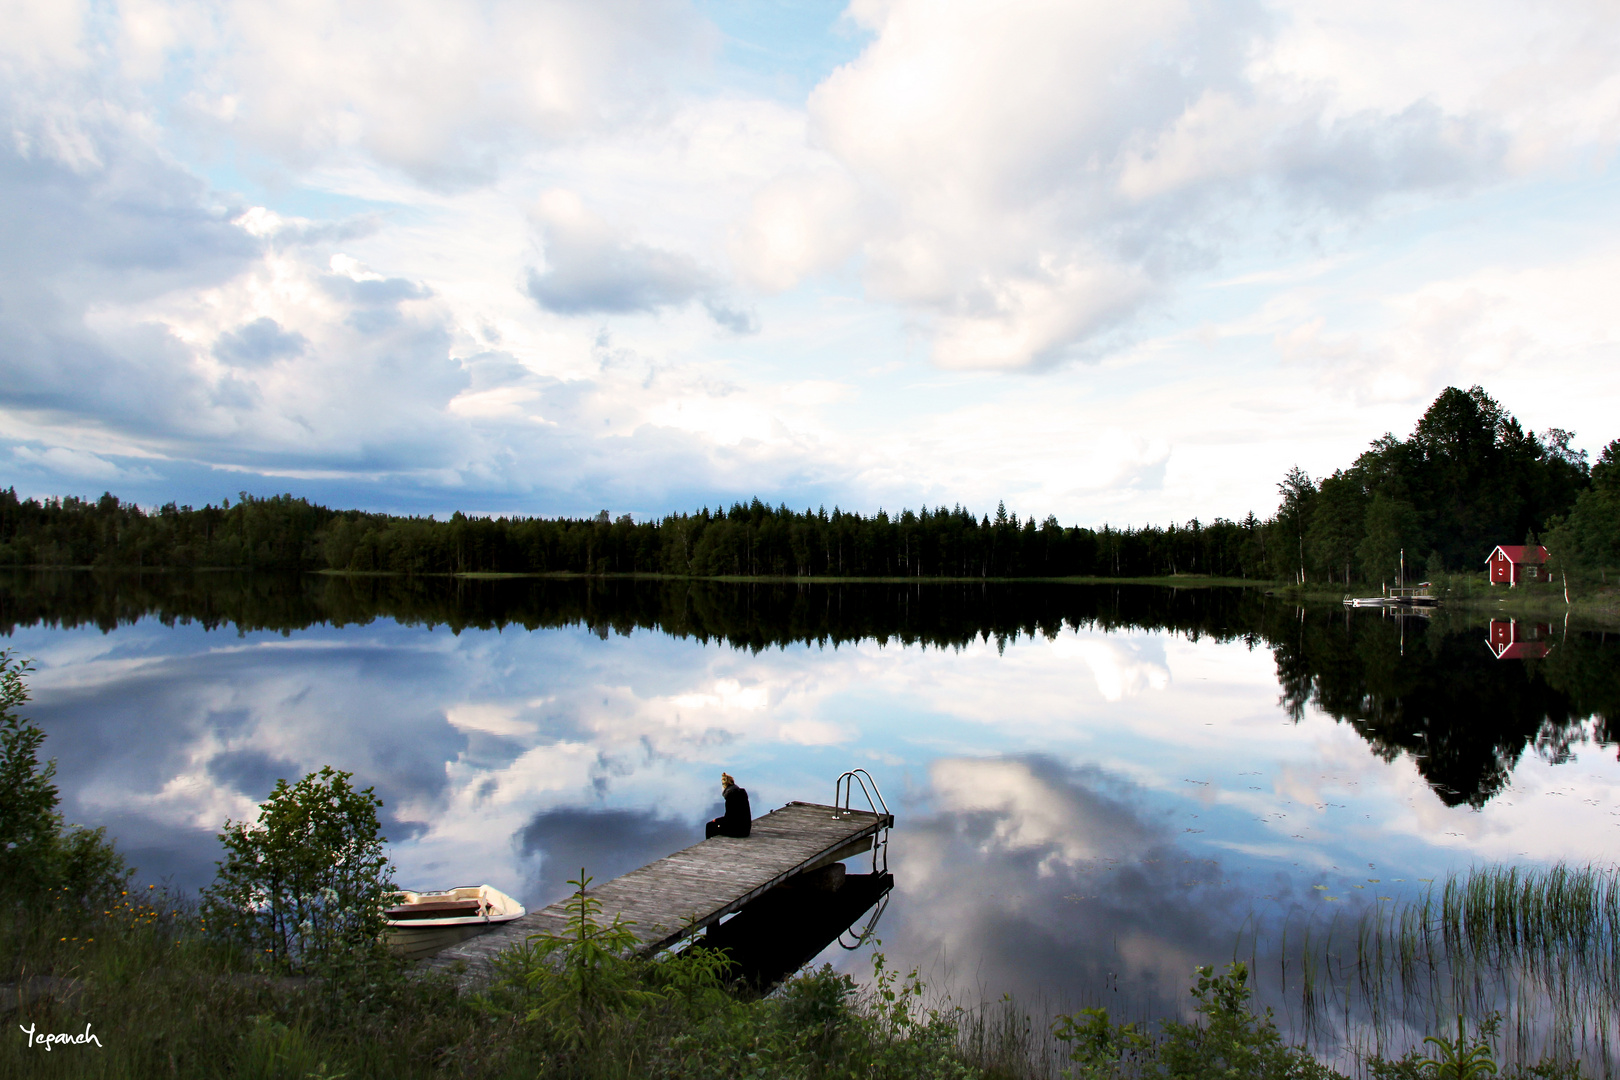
1232, 1040
816, 1005
1101, 1049
1467, 1058
1229, 1041
1461, 1058
602, 1010
574, 980
304, 885
28, 822
37, 852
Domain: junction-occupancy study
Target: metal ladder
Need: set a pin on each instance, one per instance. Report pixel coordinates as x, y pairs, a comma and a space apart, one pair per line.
857, 938
844, 791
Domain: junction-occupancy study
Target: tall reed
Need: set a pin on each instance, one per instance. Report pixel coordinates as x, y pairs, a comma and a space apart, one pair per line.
1537, 946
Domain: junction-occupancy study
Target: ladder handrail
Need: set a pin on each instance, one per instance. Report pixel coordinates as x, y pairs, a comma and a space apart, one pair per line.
844, 788
844, 791
865, 932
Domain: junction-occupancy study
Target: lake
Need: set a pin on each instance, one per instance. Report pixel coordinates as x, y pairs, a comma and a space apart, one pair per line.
1096, 788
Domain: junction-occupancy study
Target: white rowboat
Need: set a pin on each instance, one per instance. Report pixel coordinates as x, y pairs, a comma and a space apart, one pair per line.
422, 923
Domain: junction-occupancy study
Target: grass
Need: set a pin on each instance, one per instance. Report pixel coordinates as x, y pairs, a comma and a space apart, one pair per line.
1537, 949
165, 998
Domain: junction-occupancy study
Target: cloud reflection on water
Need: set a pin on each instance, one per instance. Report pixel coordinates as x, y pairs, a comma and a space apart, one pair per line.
1083, 816
605, 843
1053, 881
1122, 668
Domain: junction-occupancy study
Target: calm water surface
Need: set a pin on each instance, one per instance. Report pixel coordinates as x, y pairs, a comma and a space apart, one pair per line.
1096, 789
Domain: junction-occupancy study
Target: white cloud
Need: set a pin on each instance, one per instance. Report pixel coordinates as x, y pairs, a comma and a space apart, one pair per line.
591, 268
490, 718
1511, 328
69, 462
570, 218
41, 35
1019, 320
437, 90
245, 339
799, 224
1539, 73
1031, 175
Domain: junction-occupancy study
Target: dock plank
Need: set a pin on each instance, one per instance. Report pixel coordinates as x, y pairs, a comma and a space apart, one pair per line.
682, 893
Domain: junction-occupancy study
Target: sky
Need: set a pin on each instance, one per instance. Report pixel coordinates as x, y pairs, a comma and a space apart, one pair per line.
1123, 263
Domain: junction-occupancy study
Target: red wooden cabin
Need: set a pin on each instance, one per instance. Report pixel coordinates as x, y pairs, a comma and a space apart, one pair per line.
1510, 564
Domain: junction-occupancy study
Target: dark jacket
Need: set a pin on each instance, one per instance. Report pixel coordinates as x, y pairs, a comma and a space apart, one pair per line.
738, 820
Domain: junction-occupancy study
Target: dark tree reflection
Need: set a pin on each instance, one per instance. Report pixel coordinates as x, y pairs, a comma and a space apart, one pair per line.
1429, 688
1433, 689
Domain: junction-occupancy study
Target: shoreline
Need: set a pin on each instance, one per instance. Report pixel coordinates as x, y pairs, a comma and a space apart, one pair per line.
1594, 604
1171, 581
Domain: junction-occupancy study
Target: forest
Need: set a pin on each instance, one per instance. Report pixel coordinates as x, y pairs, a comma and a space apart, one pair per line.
1468, 478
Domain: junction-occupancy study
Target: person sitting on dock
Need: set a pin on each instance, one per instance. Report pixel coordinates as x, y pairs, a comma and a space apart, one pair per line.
738, 820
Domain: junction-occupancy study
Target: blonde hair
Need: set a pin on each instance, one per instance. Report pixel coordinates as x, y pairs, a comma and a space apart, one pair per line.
726, 780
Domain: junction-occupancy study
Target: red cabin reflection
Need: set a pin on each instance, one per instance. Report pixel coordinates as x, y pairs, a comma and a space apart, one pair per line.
1512, 640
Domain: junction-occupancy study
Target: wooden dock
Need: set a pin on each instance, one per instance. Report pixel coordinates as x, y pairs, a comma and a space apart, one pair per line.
1400, 597
681, 894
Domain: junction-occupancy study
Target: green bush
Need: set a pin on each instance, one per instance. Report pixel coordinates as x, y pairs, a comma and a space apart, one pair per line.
574, 981
598, 1009
38, 853
1467, 1057
28, 823
304, 885
1229, 1041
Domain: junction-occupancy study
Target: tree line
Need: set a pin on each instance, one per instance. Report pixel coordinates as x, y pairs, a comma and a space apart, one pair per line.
753, 539
1467, 479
